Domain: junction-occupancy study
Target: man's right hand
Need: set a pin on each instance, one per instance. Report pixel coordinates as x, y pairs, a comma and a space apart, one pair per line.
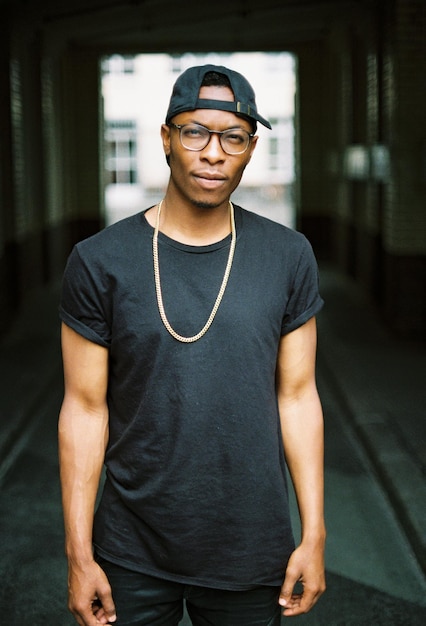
89, 595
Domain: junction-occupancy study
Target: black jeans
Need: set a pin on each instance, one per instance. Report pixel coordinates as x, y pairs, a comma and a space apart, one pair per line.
143, 600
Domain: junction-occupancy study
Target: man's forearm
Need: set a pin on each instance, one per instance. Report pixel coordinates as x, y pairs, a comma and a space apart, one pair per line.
302, 427
82, 441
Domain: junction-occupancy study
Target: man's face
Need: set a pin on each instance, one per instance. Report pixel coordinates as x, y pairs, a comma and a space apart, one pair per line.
208, 177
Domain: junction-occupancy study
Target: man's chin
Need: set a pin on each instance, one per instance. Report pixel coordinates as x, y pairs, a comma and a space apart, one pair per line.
208, 204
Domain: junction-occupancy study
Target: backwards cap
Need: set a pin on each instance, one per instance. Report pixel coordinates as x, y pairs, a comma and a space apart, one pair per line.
187, 87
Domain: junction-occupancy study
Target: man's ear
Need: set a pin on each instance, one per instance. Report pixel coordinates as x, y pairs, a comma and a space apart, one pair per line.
165, 136
252, 147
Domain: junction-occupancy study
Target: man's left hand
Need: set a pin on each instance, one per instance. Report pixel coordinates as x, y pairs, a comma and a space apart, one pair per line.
306, 566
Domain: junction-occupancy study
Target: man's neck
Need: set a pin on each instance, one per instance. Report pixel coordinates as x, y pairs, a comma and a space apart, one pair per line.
190, 224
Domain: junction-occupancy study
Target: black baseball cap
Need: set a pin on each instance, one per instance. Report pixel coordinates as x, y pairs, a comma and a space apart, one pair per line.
187, 88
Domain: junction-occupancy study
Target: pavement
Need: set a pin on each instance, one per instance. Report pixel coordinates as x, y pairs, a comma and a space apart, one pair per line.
381, 379
30, 360
378, 378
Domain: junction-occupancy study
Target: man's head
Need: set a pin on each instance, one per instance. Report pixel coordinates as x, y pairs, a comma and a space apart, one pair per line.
209, 134
186, 93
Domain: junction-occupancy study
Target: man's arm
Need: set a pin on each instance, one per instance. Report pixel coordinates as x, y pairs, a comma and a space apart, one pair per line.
83, 435
302, 431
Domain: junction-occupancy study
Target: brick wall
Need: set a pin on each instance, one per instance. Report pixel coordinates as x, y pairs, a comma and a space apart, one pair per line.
376, 116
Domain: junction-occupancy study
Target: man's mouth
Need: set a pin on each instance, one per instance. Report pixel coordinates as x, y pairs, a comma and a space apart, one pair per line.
210, 180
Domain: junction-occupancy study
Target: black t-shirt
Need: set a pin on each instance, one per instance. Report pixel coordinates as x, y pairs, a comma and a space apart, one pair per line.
196, 488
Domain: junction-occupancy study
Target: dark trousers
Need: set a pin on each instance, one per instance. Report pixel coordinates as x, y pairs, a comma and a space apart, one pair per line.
143, 600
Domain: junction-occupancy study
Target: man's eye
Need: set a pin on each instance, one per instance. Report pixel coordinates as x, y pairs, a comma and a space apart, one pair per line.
235, 137
193, 132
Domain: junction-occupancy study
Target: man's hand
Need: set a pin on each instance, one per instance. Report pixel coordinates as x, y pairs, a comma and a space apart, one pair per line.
306, 566
89, 595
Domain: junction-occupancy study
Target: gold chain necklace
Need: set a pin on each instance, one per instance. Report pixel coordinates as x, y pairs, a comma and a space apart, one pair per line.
219, 295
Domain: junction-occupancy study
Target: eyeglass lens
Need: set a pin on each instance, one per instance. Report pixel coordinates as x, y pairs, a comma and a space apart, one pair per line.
196, 137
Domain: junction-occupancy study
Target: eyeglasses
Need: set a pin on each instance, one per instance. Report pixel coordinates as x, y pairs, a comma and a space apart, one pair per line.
196, 137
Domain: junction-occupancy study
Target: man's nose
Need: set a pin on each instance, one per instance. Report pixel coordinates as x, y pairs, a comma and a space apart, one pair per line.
214, 150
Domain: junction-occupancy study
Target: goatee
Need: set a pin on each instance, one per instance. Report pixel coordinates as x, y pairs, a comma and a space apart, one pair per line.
206, 205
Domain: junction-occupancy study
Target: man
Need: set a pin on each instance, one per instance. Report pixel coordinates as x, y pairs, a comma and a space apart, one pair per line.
189, 354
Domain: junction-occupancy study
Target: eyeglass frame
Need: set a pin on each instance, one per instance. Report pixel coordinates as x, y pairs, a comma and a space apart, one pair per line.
179, 127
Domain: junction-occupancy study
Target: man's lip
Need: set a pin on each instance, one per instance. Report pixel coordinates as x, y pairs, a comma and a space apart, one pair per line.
210, 175
209, 182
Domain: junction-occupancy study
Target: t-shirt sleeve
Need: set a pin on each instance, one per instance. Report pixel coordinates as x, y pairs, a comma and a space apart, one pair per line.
83, 305
305, 300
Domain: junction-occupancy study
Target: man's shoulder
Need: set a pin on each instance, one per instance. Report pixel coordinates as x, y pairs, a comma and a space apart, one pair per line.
116, 235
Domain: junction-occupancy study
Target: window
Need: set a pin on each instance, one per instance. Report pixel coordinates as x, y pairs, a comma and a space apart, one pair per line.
120, 152
281, 156
176, 63
119, 64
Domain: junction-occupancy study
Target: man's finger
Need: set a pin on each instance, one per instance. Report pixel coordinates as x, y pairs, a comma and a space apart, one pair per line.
107, 614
